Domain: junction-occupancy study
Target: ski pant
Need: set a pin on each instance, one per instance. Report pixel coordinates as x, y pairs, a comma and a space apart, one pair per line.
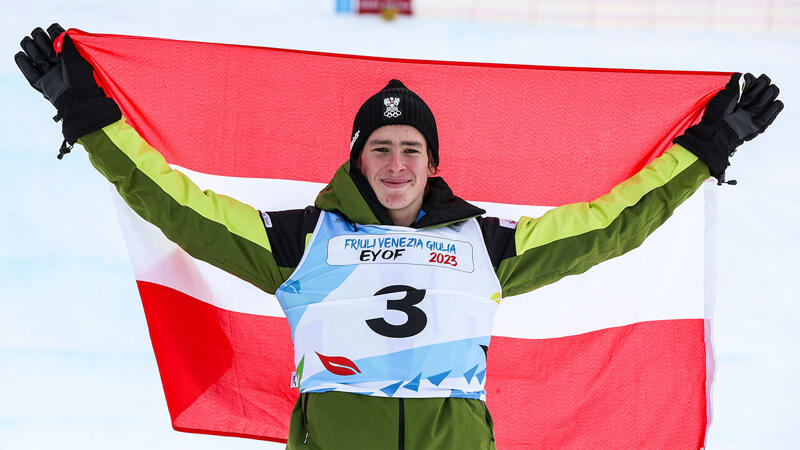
344, 421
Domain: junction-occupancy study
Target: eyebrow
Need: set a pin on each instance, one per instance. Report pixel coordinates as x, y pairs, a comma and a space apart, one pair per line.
388, 142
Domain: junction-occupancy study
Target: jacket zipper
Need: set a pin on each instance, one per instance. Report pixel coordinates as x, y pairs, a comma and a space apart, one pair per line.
489, 421
401, 436
304, 401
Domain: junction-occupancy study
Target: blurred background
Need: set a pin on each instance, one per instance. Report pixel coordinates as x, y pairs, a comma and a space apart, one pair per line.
76, 366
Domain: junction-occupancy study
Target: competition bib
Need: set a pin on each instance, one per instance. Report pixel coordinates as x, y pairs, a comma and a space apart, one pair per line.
392, 311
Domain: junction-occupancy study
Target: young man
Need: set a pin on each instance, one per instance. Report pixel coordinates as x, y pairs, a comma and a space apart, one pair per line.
389, 282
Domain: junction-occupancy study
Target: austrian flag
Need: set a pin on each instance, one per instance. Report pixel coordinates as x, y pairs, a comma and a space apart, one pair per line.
614, 357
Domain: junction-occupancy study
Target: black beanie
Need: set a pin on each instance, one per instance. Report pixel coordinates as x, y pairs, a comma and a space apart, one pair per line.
394, 105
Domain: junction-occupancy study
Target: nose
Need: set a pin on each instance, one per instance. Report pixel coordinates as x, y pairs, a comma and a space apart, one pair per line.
396, 162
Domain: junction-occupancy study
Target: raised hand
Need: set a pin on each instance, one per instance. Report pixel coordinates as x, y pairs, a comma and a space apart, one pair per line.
731, 119
66, 79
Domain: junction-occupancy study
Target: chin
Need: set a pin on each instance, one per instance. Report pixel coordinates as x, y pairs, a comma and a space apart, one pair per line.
395, 205
395, 201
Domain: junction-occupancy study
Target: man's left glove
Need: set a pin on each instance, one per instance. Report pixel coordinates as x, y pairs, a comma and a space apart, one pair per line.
730, 120
67, 80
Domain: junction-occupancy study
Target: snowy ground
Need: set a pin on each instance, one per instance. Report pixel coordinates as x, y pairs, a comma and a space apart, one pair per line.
76, 366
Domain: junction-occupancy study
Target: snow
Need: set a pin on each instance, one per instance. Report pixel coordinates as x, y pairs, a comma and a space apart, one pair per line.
76, 366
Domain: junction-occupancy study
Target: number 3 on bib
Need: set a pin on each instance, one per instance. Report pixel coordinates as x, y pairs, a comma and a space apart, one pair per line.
416, 317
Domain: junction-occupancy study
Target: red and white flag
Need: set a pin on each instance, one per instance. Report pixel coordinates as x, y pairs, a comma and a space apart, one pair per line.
616, 357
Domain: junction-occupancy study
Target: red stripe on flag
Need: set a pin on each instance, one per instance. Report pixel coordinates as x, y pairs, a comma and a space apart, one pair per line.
507, 133
219, 367
637, 386
632, 386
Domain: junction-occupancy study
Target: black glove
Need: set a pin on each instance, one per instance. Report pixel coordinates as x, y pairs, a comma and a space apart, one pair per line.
67, 80
730, 120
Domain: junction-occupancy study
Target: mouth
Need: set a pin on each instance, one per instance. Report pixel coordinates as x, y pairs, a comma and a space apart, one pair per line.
395, 184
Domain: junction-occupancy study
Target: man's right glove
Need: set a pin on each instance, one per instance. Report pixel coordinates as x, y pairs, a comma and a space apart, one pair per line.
67, 80
730, 120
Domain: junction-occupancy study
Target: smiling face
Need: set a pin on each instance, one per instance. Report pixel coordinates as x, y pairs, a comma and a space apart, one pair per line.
395, 162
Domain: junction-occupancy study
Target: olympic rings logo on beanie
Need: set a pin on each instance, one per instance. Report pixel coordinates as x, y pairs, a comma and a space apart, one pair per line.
395, 104
392, 109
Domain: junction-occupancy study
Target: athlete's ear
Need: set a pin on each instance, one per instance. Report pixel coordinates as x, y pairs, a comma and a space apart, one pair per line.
432, 169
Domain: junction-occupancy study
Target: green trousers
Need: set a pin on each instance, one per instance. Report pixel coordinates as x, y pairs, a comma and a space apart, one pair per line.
342, 421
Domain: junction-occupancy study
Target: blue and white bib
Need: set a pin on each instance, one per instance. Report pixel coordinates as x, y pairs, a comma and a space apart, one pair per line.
392, 311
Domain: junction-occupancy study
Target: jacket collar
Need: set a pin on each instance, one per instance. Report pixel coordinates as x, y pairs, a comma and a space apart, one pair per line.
350, 194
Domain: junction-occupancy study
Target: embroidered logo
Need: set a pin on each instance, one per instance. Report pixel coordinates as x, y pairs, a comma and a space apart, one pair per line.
508, 223
355, 138
391, 107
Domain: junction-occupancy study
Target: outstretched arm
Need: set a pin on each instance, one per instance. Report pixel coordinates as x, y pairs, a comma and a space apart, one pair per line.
572, 238
214, 228
211, 227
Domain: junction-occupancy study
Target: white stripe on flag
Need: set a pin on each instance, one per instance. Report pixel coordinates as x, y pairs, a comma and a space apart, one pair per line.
661, 280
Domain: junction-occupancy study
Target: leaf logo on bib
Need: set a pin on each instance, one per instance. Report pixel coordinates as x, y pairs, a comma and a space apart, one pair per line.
338, 365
